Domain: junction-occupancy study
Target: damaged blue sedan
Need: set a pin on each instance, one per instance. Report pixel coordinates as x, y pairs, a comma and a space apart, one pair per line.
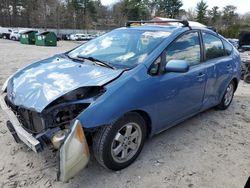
116, 90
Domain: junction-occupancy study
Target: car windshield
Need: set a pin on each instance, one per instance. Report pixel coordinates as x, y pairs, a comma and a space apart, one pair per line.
121, 48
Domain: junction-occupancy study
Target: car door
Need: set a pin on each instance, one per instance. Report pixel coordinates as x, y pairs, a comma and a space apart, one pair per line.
181, 94
220, 75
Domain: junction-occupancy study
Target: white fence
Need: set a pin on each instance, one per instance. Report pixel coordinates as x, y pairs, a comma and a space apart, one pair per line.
57, 31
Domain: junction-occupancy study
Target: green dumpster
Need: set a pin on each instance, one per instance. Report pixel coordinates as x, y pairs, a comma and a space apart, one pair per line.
28, 37
46, 38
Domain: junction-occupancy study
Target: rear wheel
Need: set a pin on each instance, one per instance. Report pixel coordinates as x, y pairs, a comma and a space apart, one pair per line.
247, 78
116, 146
13, 38
227, 97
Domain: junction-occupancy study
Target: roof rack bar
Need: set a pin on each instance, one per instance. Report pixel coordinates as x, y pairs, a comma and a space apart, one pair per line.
184, 22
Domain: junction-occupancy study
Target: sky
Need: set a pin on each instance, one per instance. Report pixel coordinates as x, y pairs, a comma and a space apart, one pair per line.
243, 6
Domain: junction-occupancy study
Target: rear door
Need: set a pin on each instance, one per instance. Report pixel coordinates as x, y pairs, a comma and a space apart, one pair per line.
181, 94
220, 74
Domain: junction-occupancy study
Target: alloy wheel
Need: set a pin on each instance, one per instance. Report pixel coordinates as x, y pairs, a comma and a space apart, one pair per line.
126, 142
229, 94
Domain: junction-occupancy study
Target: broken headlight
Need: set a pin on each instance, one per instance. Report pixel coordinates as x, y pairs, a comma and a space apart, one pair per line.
84, 93
69, 106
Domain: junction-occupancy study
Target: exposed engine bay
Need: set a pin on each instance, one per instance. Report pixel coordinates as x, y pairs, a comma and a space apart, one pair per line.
59, 113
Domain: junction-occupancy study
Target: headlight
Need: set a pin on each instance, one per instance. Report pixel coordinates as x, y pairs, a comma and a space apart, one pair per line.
74, 153
83, 93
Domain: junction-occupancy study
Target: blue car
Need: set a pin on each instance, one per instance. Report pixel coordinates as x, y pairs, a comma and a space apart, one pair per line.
118, 89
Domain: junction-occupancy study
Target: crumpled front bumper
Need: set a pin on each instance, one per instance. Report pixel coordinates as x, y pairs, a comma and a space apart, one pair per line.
73, 153
22, 134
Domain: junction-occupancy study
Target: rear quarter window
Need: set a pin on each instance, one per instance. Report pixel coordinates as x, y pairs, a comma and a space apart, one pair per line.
228, 47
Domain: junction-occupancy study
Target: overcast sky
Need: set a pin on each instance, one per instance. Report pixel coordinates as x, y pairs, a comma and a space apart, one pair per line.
243, 6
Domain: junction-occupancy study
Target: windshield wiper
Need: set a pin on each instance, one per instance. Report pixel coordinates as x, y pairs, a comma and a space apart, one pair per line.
97, 61
73, 58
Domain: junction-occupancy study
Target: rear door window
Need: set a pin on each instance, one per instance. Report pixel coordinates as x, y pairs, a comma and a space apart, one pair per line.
213, 46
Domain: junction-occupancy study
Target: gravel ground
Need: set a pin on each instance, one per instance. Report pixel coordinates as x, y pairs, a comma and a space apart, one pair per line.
211, 149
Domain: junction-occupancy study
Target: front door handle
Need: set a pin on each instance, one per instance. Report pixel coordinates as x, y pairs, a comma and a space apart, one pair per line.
229, 66
200, 75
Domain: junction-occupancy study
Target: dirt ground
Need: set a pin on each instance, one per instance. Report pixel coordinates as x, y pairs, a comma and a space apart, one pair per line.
209, 150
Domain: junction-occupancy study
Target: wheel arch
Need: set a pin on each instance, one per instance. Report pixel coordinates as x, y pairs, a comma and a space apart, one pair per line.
143, 114
235, 83
223, 90
147, 120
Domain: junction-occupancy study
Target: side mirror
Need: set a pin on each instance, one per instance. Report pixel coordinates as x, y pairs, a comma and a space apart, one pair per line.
180, 66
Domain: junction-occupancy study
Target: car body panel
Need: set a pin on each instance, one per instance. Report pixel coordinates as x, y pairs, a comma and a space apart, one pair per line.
37, 85
177, 102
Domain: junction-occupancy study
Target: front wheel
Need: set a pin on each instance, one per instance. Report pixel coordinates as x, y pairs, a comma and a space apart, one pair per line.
116, 146
227, 97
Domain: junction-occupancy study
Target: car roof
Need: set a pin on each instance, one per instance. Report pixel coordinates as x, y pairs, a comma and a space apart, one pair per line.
151, 28
167, 28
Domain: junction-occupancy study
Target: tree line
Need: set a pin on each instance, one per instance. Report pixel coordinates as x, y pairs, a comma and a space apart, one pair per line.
92, 14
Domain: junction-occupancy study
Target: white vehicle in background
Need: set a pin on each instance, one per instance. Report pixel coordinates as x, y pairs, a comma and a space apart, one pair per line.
5, 32
80, 36
16, 34
90, 36
72, 37
234, 42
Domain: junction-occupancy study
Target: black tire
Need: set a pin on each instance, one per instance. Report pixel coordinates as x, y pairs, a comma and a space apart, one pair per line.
4, 37
13, 38
242, 74
105, 138
224, 104
247, 78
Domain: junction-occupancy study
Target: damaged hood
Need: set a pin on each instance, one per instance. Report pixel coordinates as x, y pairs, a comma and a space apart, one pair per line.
40, 83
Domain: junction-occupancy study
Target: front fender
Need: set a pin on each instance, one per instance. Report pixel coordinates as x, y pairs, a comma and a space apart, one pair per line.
128, 93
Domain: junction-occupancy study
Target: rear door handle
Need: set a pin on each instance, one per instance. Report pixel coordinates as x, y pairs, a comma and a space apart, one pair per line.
229, 66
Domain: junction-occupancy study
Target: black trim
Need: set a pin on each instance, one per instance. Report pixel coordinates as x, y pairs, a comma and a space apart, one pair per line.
202, 44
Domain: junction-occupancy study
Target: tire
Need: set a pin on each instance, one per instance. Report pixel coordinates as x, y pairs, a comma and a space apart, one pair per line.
13, 38
4, 37
247, 78
227, 97
113, 138
242, 74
